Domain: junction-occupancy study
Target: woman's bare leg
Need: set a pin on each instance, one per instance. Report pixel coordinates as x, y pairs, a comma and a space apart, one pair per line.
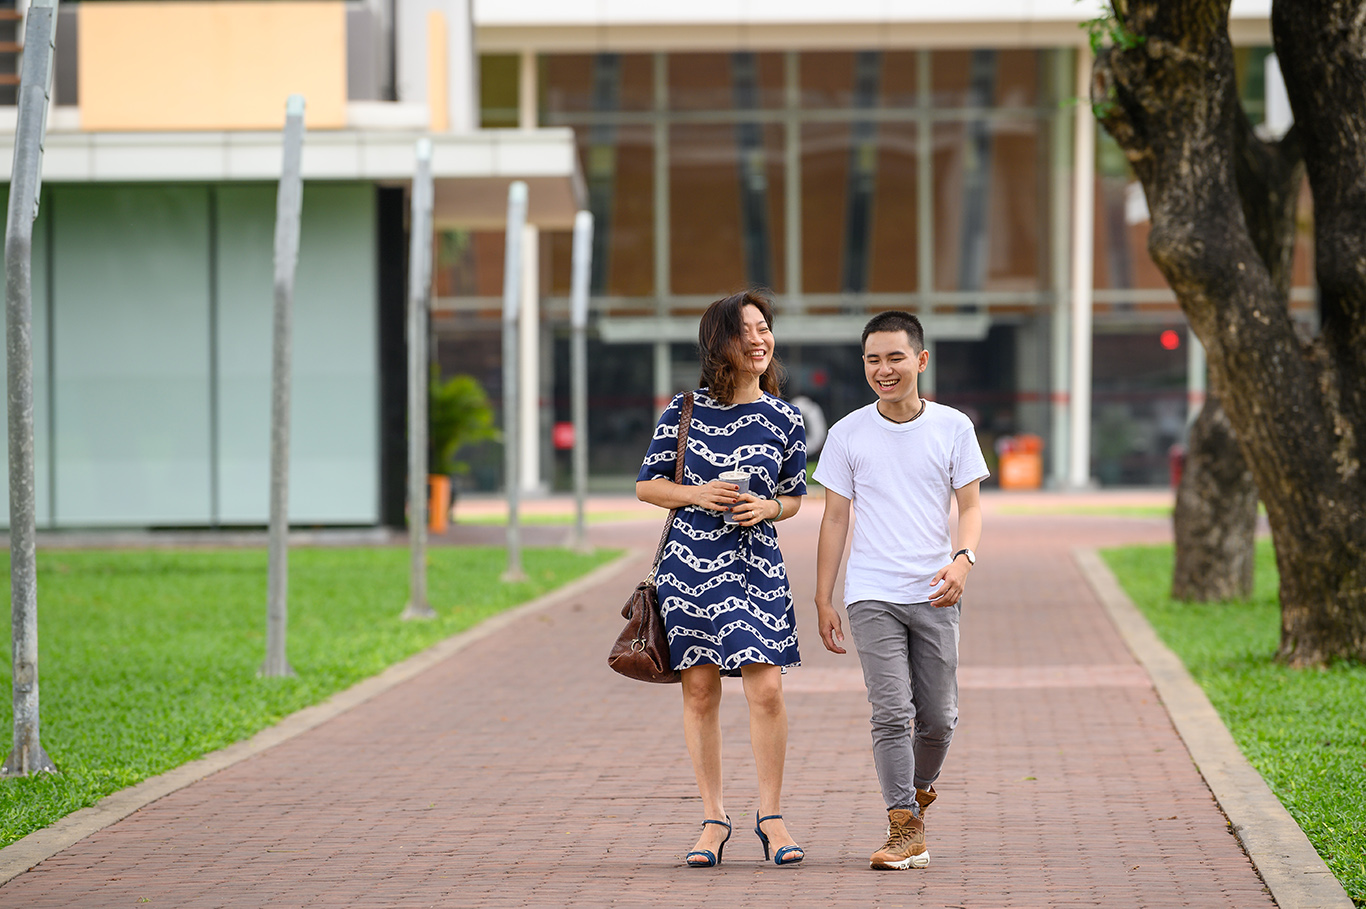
768, 738
702, 730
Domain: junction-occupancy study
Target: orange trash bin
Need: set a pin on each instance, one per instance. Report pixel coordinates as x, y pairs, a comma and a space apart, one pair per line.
1021, 461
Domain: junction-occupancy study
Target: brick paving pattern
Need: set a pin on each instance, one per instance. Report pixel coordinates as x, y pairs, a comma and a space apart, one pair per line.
522, 772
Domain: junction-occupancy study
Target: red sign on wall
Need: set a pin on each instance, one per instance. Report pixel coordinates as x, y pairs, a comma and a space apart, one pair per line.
563, 435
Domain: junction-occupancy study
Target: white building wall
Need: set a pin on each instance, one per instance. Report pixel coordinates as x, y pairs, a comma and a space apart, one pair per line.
154, 406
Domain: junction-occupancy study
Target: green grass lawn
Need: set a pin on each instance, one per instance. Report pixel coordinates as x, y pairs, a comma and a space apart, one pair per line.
148, 659
1304, 730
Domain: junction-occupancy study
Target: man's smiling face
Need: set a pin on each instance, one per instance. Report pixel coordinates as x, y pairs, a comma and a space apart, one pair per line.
892, 367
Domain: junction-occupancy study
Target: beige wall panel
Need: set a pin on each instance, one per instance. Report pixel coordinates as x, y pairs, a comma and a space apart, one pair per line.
438, 98
219, 65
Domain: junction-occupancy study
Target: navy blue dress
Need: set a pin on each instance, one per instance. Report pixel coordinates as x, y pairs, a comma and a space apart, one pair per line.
723, 590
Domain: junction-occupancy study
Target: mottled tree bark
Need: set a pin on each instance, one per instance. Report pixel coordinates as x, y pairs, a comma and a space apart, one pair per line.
1297, 408
1215, 518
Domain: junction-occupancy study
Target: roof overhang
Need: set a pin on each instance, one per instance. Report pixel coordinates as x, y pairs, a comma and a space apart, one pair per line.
472, 171
585, 26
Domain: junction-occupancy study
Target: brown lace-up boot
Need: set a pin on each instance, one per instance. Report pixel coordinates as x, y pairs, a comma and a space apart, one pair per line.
905, 846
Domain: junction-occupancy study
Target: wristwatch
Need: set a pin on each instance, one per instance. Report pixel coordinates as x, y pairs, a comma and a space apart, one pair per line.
972, 556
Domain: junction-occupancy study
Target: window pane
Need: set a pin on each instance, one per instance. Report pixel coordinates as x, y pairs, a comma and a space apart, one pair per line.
894, 260
1138, 405
619, 164
1121, 225
825, 188
836, 80
735, 81
498, 91
985, 78
859, 208
989, 207
726, 207
583, 83
617, 160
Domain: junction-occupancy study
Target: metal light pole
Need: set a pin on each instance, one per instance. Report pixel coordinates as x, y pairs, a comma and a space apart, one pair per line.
288, 203
578, 368
512, 304
419, 305
35, 83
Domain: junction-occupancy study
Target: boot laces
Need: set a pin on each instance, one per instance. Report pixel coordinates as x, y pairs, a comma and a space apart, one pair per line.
899, 837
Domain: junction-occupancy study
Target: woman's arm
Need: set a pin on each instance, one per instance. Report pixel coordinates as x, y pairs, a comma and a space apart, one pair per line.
714, 496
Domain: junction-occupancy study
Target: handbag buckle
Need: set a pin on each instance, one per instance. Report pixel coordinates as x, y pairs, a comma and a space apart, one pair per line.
638, 645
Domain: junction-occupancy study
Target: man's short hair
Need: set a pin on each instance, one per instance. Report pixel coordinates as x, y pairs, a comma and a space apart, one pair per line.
896, 320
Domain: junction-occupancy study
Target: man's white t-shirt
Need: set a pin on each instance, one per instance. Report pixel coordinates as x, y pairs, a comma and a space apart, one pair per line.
900, 478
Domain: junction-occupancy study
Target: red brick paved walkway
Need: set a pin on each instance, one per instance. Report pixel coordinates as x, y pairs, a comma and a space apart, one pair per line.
522, 772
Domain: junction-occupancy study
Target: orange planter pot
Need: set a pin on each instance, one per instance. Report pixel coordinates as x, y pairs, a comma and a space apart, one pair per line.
438, 503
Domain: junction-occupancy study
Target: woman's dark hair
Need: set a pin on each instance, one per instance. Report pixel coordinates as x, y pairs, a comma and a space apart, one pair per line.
721, 341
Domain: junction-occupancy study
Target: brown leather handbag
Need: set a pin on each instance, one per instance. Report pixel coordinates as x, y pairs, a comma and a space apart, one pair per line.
641, 651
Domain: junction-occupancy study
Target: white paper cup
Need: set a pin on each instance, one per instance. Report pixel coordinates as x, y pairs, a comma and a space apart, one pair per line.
739, 478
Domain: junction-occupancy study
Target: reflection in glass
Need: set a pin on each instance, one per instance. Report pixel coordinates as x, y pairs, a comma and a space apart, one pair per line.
828, 81
859, 180
706, 82
990, 220
985, 78
572, 83
725, 207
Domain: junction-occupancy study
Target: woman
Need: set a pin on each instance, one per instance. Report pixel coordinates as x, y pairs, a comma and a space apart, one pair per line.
723, 590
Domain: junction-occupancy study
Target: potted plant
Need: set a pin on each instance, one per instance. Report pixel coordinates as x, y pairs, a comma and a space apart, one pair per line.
458, 413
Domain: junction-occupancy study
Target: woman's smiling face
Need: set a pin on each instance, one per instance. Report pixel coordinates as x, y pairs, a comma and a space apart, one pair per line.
756, 339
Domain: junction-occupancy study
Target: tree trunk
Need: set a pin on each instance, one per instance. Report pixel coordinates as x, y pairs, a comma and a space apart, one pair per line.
1322, 46
1216, 513
1170, 102
1215, 518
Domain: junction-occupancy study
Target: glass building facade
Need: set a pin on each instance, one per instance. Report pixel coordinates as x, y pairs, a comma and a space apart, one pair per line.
848, 182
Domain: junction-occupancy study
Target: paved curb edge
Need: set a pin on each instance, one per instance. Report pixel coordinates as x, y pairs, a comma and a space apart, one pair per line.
1294, 873
22, 855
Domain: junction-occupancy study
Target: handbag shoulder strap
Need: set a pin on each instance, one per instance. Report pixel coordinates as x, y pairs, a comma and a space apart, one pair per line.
684, 420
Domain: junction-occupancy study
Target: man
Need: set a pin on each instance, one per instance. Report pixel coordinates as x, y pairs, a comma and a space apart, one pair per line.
896, 463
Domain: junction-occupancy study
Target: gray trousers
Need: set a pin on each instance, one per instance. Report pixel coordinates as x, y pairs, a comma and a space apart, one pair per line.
909, 653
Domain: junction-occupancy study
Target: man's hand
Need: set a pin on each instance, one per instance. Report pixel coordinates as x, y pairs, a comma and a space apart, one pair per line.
832, 629
954, 577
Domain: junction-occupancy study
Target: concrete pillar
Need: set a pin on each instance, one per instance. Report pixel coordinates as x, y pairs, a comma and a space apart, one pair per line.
1196, 376
792, 185
462, 68
1031, 375
1083, 240
528, 84
424, 56
663, 373
663, 365
1059, 445
924, 178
